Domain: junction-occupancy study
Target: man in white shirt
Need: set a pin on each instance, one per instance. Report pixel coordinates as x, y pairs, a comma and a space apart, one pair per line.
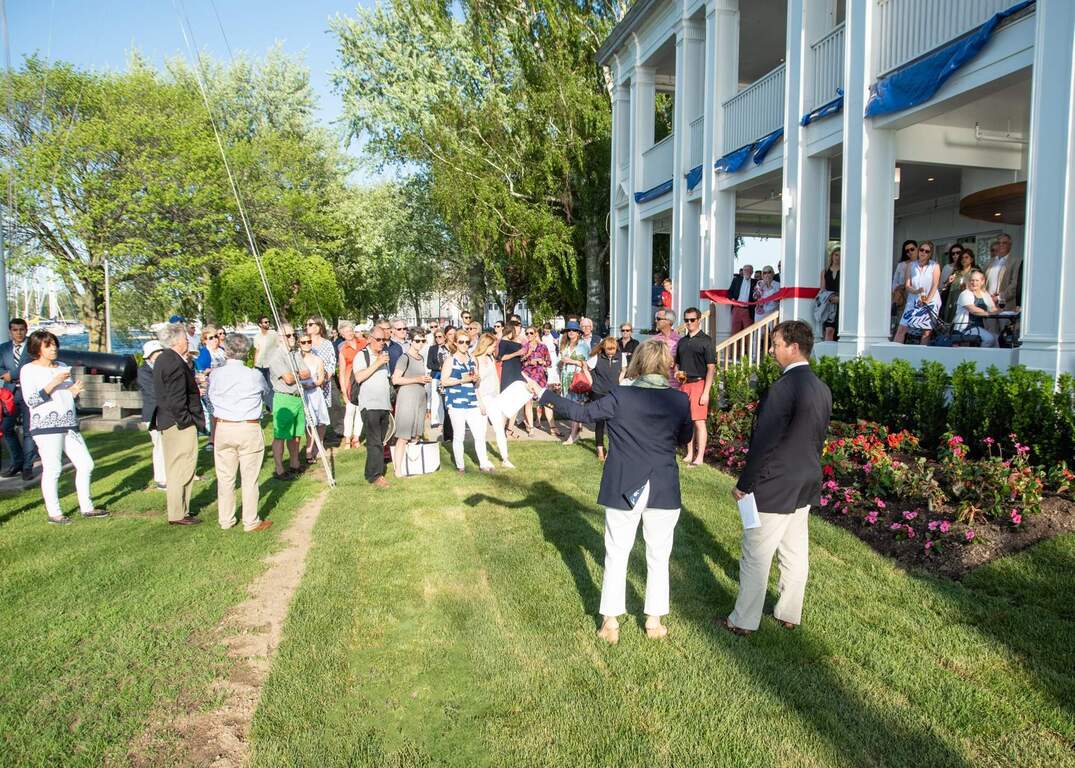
742, 289
265, 338
238, 395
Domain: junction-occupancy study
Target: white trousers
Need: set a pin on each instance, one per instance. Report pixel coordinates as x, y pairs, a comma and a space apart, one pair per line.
52, 448
786, 537
352, 421
158, 457
461, 419
621, 525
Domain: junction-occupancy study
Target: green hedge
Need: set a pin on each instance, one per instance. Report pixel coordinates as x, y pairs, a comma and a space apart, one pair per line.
929, 402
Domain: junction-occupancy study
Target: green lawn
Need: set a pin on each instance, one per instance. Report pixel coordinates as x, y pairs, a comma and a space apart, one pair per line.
106, 625
450, 621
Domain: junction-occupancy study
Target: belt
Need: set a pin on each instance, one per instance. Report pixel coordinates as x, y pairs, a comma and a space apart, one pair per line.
244, 421
692, 381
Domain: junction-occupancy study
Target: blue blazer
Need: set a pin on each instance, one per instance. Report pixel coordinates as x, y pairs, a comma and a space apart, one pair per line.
7, 363
644, 428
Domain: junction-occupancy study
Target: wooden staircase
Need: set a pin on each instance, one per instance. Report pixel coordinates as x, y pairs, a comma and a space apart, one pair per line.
750, 345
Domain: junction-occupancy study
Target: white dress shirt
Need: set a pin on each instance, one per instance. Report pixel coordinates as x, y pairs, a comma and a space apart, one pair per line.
744, 290
238, 393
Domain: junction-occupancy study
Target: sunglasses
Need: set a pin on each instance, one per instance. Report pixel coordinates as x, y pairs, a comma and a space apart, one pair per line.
377, 338
925, 250
311, 324
221, 335
690, 319
531, 333
289, 335
439, 336
625, 330
418, 340
462, 340
305, 341
498, 325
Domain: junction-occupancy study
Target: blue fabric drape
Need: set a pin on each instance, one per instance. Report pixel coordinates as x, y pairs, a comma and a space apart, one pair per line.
654, 192
920, 80
765, 143
734, 161
694, 175
826, 109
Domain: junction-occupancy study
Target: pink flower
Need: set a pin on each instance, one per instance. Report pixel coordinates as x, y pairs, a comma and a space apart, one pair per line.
895, 526
928, 546
933, 524
824, 501
910, 531
910, 515
880, 504
871, 518
1016, 517
969, 535
945, 526
989, 441
954, 440
867, 467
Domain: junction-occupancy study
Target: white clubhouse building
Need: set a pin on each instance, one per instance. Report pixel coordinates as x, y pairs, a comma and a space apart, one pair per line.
998, 133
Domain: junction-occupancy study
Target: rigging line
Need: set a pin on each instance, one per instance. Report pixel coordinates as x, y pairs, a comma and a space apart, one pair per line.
200, 80
48, 57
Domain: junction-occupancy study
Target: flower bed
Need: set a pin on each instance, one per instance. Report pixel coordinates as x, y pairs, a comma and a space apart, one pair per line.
947, 514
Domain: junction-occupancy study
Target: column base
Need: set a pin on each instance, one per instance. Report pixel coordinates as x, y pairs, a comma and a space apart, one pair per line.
1047, 355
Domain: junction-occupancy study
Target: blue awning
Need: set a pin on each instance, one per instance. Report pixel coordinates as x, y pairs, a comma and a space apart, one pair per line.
654, 192
694, 175
826, 109
920, 80
734, 161
765, 143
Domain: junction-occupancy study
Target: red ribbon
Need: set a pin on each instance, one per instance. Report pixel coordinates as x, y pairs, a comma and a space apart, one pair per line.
720, 296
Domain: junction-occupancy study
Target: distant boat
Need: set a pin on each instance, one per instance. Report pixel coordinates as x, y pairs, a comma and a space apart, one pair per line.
62, 327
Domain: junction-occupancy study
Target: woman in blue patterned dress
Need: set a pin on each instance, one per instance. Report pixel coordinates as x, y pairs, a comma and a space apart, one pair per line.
923, 295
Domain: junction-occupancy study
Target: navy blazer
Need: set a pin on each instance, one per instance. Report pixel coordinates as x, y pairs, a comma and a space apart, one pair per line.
783, 468
149, 395
7, 362
736, 286
644, 428
178, 401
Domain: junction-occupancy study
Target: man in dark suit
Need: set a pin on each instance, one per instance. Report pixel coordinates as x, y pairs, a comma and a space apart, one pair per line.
783, 472
177, 417
12, 358
742, 289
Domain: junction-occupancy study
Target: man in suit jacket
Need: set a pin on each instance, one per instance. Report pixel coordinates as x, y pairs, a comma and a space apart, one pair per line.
177, 417
742, 289
12, 358
783, 471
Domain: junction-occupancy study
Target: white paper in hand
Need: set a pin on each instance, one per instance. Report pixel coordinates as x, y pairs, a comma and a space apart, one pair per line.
748, 512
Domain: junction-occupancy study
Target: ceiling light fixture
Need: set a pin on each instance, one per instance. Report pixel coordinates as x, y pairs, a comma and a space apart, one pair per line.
997, 214
930, 179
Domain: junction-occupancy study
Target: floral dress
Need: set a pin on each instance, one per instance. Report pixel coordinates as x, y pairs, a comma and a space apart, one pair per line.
327, 352
916, 314
579, 353
536, 363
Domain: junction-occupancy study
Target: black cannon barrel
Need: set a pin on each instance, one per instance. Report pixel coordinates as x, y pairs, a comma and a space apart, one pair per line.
123, 367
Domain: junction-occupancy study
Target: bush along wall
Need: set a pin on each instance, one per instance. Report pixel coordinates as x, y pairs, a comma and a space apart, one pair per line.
1008, 407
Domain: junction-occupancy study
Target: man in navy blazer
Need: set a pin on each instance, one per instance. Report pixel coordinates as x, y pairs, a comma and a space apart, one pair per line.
742, 289
13, 357
783, 471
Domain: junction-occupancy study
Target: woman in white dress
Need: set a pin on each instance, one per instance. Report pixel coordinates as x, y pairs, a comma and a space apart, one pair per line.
313, 392
489, 394
765, 288
923, 295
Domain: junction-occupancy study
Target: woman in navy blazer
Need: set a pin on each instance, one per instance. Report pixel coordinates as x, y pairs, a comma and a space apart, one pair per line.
646, 421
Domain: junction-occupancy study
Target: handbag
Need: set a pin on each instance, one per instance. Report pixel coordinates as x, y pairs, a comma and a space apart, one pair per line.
580, 383
419, 458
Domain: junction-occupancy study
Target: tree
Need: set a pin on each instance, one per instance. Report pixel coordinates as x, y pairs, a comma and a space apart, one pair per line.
301, 285
503, 107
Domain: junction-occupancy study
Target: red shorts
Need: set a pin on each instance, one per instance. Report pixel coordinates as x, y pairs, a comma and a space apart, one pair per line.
694, 390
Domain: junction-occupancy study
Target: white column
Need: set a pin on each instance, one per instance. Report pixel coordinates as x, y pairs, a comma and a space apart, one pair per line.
805, 229
619, 275
721, 82
642, 117
685, 265
866, 206
1048, 332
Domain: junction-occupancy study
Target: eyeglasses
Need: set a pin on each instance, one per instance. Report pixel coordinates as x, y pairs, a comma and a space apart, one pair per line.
462, 340
221, 335
289, 335
625, 330
311, 324
377, 338
925, 250
439, 336
691, 319
418, 340
399, 328
531, 333
305, 341
498, 325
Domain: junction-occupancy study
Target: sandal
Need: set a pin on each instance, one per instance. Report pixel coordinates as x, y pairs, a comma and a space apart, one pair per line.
656, 633
725, 623
609, 632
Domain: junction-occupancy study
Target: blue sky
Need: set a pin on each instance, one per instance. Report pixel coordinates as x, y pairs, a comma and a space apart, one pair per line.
98, 34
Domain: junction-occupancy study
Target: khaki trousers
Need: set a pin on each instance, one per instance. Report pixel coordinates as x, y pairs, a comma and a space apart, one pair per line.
238, 447
786, 537
180, 457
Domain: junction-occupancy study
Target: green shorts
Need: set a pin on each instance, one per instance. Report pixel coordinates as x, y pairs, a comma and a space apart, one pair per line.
288, 419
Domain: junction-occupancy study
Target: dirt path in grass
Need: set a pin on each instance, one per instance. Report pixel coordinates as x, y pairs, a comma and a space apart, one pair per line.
251, 631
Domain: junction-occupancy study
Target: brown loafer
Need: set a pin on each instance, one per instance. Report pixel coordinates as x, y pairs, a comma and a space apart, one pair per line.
380, 482
188, 520
725, 623
261, 526
785, 624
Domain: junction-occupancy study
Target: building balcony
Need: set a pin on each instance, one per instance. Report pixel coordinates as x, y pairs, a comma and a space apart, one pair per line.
910, 28
755, 111
828, 62
657, 163
697, 143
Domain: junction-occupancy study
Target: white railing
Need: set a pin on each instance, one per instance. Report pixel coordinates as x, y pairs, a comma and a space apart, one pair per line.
750, 344
657, 163
755, 111
910, 28
697, 141
828, 53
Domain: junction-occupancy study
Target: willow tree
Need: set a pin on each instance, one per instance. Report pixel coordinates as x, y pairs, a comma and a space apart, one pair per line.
504, 108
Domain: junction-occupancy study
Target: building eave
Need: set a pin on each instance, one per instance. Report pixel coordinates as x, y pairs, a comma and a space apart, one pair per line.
622, 31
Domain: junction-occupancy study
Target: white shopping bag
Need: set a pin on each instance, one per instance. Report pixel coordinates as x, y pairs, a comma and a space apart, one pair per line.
419, 458
748, 512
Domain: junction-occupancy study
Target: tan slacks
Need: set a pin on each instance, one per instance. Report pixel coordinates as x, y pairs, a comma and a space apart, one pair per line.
785, 536
238, 447
180, 457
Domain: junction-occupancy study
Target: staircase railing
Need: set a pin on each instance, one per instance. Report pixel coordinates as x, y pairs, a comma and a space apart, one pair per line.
750, 344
